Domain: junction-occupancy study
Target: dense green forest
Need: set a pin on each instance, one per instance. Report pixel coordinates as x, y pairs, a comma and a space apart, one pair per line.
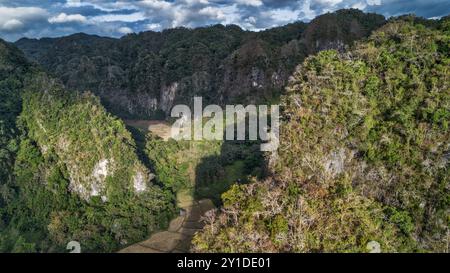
364, 139
204, 168
69, 169
143, 75
364, 154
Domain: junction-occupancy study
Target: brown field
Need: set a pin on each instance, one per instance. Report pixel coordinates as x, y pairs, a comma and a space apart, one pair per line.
157, 127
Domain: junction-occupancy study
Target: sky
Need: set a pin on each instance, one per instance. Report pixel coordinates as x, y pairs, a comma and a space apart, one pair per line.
43, 18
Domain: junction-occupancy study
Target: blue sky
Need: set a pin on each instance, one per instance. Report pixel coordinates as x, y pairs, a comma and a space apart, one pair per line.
35, 19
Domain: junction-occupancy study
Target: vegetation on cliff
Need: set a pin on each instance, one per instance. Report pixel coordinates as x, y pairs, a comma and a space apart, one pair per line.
143, 75
364, 147
203, 169
69, 169
364, 154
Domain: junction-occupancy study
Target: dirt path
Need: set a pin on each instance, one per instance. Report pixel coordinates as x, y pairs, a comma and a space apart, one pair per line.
177, 238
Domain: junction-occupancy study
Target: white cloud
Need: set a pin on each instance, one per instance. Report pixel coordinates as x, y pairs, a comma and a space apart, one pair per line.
129, 18
156, 4
105, 17
125, 30
306, 12
193, 13
374, 2
12, 19
251, 20
359, 5
67, 18
212, 13
12, 25
252, 3
197, 2
281, 16
328, 2
232, 15
153, 26
100, 5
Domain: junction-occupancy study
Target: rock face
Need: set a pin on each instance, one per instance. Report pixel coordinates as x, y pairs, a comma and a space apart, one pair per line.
168, 96
144, 75
70, 170
140, 181
94, 147
349, 176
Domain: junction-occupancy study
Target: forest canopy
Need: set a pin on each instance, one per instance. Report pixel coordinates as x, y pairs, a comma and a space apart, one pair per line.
363, 158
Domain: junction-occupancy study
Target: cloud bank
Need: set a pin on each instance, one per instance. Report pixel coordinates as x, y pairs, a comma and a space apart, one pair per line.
35, 19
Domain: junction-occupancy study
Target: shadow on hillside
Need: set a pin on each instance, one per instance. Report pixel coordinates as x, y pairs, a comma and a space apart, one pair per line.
139, 137
237, 162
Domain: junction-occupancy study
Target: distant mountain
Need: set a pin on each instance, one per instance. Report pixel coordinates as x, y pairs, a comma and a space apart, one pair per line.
363, 162
145, 74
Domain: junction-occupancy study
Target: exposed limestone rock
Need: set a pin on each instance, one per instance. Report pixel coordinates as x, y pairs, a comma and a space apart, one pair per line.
44, 149
78, 188
101, 170
257, 77
141, 74
139, 182
168, 96
335, 164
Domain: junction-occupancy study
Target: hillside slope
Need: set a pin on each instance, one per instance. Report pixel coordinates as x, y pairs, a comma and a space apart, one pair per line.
143, 75
69, 170
364, 154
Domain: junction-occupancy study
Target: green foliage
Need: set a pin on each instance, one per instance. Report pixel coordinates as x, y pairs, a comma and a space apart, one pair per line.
363, 154
401, 219
364, 145
76, 128
13, 70
11, 241
49, 215
219, 63
54, 186
169, 162
204, 168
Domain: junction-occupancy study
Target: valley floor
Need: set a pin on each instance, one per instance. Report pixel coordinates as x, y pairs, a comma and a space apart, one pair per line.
157, 127
177, 238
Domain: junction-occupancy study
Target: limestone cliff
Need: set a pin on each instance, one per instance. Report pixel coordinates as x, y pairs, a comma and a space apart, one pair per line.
145, 74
